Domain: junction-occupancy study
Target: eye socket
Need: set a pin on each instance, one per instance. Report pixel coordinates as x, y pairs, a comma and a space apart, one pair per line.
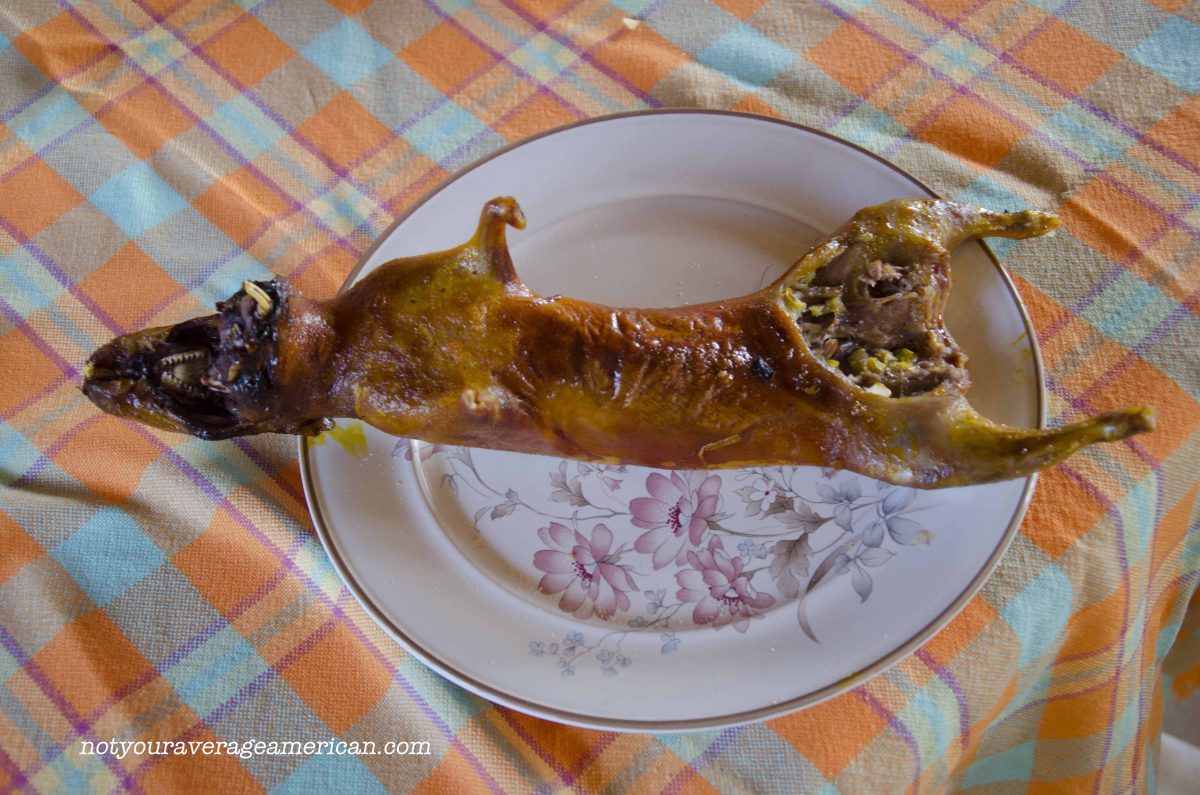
197, 333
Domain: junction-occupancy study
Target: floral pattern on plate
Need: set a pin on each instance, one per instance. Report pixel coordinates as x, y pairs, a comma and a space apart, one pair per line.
663, 551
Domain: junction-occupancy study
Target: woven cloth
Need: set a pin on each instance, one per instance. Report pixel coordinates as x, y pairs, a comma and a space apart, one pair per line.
153, 154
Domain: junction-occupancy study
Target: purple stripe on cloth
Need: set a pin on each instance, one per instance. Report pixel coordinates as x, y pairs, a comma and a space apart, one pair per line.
451, 736
181, 652
437, 105
244, 693
231, 150
178, 654
43, 347
342, 173
497, 57
82, 728
24, 104
897, 726
955, 687
1041, 701
86, 123
272, 472
595, 749
1096, 290
1007, 59
60, 276
1159, 501
43, 461
413, 119
1107, 280
249, 689
907, 58
207, 721
316, 256
1110, 509
204, 274
702, 760
548, 758
1135, 354
1075, 99
1072, 312
723, 741
590, 754
16, 777
209, 489
544, 27
1184, 310
1082, 406
92, 306
1089, 169
276, 669
255, 684
30, 475
964, 89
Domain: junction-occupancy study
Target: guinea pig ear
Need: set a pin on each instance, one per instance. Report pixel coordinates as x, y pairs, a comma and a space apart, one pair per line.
490, 237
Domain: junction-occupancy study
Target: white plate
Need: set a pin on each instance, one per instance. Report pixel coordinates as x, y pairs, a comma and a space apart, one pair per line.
447, 547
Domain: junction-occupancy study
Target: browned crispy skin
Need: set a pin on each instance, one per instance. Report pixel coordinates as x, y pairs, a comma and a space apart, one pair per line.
453, 348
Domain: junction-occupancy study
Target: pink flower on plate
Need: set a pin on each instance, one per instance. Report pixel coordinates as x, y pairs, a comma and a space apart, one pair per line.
677, 511
720, 588
583, 570
604, 472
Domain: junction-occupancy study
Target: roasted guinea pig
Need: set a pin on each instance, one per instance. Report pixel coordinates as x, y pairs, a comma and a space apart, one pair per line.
842, 362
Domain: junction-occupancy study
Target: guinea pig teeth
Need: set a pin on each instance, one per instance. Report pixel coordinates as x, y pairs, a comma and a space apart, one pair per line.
260, 297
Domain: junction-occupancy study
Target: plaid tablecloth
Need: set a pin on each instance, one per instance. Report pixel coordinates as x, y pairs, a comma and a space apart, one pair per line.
152, 587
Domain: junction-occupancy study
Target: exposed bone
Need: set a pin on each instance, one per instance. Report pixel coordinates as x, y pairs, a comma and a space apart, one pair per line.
880, 271
481, 401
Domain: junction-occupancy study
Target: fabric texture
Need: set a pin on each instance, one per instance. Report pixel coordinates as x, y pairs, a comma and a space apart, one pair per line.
153, 154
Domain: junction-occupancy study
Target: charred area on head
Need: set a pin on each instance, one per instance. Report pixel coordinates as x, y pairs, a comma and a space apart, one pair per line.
876, 320
211, 376
244, 358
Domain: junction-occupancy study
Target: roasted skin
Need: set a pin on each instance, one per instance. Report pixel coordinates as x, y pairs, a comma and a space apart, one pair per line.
842, 362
